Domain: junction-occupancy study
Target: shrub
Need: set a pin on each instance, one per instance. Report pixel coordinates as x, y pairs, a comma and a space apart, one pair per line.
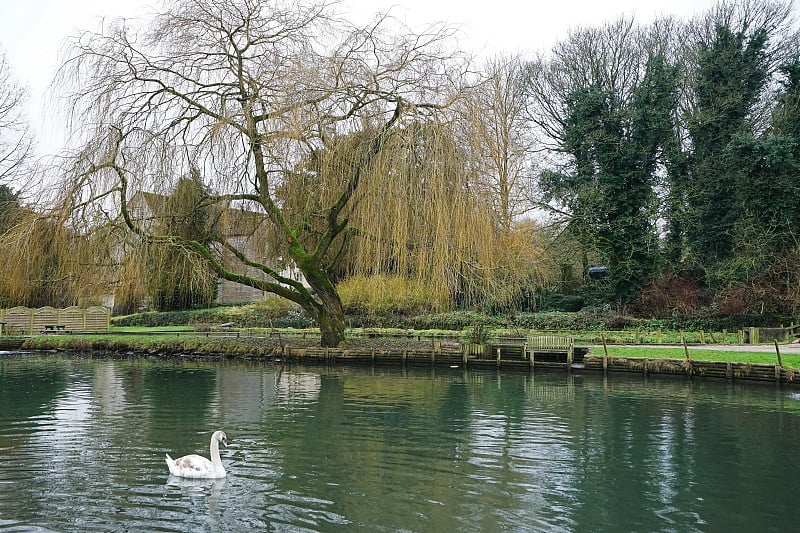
563, 302
456, 321
385, 295
268, 313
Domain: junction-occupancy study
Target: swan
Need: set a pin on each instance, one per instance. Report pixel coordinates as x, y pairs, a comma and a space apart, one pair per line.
196, 466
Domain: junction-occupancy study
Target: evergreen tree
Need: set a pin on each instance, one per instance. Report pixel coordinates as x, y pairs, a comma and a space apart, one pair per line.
732, 71
9, 207
616, 146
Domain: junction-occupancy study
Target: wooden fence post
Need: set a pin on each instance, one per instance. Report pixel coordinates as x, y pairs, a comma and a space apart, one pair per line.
685, 347
570, 352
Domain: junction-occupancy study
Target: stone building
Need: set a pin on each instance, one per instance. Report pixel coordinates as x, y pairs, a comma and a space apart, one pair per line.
242, 229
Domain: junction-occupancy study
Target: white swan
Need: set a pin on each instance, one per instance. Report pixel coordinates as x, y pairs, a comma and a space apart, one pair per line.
196, 466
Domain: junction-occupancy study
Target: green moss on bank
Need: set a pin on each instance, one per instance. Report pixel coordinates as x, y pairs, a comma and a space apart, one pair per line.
165, 344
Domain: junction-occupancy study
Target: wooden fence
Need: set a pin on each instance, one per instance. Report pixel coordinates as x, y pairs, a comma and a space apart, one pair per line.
24, 320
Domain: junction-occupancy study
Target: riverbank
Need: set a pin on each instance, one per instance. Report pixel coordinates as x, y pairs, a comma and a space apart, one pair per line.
731, 362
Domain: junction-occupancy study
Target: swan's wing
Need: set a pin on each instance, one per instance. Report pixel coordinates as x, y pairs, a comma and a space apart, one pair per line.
194, 462
190, 466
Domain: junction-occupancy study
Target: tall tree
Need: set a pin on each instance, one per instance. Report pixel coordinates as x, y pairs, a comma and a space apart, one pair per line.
766, 169
176, 277
731, 75
244, 90
495, 127
733, 57
612, 126
15, 141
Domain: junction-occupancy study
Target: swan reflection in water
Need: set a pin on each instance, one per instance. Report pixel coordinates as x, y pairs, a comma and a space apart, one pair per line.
193, 487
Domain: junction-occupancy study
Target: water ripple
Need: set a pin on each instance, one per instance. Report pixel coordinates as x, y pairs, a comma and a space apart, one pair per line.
82, 448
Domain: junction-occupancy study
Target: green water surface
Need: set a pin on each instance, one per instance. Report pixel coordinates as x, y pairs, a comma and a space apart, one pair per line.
82, 444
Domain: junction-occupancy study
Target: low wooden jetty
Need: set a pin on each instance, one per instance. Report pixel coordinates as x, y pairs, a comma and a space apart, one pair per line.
691, 367
551, 351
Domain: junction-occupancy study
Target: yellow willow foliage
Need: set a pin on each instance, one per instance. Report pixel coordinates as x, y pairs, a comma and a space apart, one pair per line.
420, 212
36, 269
131, 291
423, 215
385, 293
162, 276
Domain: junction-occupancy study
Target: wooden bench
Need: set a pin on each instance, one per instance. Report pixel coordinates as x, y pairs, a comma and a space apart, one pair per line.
550, 343
53, 328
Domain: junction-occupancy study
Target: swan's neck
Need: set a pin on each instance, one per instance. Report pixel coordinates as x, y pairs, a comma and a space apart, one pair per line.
215, 460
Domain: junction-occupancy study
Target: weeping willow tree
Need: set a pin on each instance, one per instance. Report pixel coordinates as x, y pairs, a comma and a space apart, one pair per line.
48, 263
169, 275
432, 219
245, 91
426, 214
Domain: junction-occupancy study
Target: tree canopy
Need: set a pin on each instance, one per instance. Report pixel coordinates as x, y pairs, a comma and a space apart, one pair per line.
665, 151
246, 91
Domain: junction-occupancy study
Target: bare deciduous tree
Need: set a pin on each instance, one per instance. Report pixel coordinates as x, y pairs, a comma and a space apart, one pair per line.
499, 136
246, 90
15, 141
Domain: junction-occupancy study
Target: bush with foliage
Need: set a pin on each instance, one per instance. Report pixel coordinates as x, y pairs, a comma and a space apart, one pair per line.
385, 295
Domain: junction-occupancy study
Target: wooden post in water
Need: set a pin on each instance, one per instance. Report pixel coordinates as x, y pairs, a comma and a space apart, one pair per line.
570, 354
498, 357
780, 363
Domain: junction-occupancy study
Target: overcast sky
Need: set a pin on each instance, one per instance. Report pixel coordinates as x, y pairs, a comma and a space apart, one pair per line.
32, 31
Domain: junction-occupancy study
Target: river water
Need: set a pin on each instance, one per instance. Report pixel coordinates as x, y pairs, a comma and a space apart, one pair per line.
82, 444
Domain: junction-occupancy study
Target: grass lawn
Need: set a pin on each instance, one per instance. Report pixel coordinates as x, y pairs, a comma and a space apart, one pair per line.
732, 356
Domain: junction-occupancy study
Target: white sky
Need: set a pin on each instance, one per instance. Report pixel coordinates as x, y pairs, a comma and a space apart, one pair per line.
32, 31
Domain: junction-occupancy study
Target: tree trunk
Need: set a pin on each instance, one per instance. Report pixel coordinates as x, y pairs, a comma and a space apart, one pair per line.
331, 337
327, 311
331, 322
